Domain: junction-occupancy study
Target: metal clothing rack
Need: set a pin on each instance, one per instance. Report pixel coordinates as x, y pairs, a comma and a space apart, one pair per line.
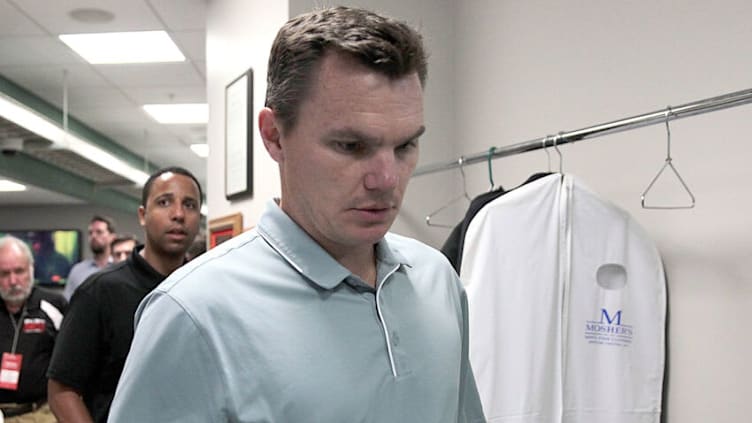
698, 107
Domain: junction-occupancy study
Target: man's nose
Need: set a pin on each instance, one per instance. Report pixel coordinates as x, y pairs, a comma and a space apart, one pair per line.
383, 173
178, 212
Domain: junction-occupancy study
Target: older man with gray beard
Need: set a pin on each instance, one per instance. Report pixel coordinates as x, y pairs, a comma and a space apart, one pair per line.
29, 322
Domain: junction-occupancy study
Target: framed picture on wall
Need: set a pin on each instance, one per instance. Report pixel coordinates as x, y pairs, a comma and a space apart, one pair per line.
239, 137
223, 228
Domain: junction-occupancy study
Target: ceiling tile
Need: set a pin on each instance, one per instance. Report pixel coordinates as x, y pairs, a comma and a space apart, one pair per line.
181, 15
151, 74
201, 67
79, 75
137, 139
120, 115
12, 22
192, 44
103, 98
131, 15
36, 50
178, 94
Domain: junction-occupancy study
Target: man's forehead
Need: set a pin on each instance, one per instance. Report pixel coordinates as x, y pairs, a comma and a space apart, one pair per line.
166, 179
125, 245
13, 252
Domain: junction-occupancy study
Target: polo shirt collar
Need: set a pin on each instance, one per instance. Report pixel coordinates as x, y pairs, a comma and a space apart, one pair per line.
147, 276
306, 255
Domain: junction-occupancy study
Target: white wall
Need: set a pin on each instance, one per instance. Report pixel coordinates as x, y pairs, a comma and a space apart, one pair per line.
537, 67
239, 36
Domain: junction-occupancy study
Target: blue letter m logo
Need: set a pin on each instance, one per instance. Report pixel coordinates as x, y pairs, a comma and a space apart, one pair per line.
609, 319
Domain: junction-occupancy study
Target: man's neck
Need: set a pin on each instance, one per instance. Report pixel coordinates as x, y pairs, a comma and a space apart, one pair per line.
102, 259
361, 263
13, 308
163, 264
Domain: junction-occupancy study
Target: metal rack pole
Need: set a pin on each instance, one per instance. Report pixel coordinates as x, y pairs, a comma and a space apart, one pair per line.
698, 107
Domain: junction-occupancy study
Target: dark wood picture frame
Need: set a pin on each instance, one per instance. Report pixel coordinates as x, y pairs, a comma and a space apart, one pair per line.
223, 228
239, 137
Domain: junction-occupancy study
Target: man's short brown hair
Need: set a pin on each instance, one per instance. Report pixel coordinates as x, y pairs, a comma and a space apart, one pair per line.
384, 44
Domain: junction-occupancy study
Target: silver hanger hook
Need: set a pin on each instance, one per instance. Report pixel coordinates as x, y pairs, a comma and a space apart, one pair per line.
464, 195
490, 167
557, 138
668, 135
545, 149
461, 163
668, 164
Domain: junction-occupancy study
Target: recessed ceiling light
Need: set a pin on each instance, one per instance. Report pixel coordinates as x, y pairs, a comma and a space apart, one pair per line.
201, 150
178, 113
124, 47
91, 15
9, 186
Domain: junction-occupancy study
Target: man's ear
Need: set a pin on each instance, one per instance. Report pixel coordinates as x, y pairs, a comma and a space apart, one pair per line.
141, 213
270, 134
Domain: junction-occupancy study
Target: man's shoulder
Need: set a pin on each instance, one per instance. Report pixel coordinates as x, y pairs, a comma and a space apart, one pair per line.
108, 277
83, 264
42, 294
221, 265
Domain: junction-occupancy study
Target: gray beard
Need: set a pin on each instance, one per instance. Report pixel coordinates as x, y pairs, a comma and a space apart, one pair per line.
17, 297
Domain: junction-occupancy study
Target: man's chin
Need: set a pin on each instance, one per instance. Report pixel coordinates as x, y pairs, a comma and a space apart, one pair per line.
373, 234
97, 250
16, 298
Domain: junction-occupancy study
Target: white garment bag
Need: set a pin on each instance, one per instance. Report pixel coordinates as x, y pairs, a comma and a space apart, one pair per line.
567, 302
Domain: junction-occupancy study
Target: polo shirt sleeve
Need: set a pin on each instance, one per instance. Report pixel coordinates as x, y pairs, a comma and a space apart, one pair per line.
78, 347
170, 375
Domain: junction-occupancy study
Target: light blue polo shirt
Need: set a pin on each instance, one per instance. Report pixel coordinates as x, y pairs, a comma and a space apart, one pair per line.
268, 327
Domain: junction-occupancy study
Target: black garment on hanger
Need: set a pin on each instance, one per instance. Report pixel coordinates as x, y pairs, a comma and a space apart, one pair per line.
452, 247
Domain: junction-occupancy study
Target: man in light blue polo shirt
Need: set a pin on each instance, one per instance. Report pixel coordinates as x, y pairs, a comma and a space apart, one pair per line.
317, 314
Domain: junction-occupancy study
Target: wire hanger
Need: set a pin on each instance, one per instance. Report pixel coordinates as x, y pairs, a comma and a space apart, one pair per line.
490, 168
557, 138
464, 195
663, 168
545, 150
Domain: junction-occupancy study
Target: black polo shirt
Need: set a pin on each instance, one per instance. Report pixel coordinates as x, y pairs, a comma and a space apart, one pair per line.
38, 323
97, 331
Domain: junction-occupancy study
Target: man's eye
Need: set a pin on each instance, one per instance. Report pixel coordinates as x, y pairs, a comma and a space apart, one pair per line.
350, 147
408, 145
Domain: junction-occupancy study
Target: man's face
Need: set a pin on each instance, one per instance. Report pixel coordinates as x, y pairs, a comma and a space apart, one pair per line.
122, 250
16, 274
346, 163
99, 237
171, 216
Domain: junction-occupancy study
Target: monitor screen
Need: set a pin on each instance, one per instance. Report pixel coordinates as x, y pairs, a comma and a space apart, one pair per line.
54, 250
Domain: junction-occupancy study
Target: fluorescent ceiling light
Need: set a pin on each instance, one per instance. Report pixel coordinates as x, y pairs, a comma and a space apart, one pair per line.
124, 47
178, 113
10, 186
201, 150
16, 112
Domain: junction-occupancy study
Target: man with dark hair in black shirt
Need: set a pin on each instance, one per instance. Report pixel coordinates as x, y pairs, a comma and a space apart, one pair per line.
97, 332
29, 321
